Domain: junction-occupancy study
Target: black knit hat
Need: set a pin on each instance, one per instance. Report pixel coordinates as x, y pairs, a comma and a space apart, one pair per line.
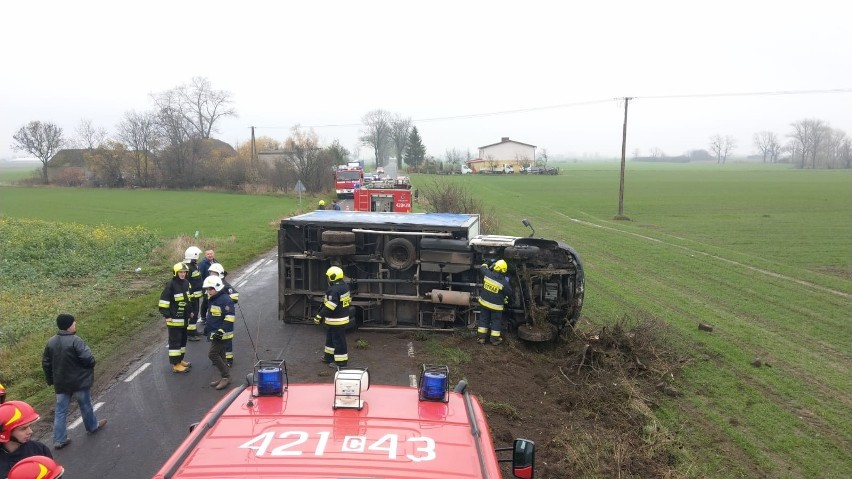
64, 321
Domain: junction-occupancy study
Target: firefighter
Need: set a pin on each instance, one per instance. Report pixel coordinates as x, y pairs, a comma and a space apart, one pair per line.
321, 205
195, 280
176, 307
219, 327
16, 443
36, 467
218, 270
494, 295
335, 313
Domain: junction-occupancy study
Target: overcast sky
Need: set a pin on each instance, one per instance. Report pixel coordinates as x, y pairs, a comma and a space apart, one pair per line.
328, 63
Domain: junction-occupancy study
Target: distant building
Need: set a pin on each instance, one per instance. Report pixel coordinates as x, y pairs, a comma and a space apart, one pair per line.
500, 156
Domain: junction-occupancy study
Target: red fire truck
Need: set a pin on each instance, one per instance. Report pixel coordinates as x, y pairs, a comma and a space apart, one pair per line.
346, 177
268, 428
383, 196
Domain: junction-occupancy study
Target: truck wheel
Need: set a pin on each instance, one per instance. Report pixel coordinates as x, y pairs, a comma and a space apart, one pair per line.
338, 249
399, 254
521, 251
338, 237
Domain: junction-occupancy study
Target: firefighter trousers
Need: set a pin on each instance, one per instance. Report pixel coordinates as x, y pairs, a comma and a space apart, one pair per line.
335, 351
177, 343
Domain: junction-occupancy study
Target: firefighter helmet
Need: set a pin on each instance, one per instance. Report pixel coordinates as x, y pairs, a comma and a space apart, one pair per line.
41, 467
321, 202
14, 414
214, 282
334, 273
193, 252
180, 267
500, 266
218, 269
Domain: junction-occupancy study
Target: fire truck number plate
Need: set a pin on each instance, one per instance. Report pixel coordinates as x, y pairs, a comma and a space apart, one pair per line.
297, 443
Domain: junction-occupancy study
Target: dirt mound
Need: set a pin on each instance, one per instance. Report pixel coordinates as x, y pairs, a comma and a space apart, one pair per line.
587, 401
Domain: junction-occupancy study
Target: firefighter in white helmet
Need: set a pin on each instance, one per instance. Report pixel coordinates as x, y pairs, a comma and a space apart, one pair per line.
335, 313
219, 327
216, 269
195, 280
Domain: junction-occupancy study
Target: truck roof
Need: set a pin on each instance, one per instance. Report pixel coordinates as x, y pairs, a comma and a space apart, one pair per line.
351, 219
299, 434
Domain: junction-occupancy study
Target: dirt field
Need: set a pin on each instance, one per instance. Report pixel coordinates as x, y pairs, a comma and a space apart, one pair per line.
586, 402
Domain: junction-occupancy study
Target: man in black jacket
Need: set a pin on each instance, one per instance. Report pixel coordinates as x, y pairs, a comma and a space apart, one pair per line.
69, 367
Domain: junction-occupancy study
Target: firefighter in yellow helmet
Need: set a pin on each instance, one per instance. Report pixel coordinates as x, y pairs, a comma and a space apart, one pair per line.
321, 205
494, 295
176, 306
335, 313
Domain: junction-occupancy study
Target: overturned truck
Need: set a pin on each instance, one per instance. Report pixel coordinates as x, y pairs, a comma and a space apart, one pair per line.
420, 271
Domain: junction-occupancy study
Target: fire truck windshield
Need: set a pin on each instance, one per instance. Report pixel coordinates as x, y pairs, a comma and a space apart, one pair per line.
348, 175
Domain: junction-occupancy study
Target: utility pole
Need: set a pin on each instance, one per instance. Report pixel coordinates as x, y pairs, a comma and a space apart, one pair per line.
253, 148
623, 156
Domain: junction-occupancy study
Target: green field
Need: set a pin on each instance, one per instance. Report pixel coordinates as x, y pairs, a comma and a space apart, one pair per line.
761, 253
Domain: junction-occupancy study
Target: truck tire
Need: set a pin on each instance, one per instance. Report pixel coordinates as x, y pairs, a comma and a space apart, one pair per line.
399, 254
521, 251
338, 237
338, 249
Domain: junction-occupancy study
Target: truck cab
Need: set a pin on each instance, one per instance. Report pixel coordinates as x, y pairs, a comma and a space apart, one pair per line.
346, 428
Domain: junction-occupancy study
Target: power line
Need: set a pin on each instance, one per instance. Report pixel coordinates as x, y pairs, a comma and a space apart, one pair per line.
585, 103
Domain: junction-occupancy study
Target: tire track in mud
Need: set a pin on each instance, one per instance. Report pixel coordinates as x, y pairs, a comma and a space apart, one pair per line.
709, 255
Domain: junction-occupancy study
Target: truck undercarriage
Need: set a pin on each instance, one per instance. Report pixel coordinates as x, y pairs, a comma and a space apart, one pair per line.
420, 271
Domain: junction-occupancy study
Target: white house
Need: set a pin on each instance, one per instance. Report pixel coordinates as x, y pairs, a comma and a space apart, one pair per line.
507, 152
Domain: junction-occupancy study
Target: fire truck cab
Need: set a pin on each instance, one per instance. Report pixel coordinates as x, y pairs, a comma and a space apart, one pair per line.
347, 178
268, 428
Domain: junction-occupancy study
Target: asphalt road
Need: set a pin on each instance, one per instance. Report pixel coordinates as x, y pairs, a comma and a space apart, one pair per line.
150, 409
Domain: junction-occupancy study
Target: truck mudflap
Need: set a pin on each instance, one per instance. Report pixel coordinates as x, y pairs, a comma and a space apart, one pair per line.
420, 271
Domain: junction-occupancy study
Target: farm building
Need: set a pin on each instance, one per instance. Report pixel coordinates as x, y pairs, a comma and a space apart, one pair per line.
500, 156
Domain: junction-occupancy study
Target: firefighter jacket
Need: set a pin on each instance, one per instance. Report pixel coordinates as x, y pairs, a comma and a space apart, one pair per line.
195, 280
495, 289
175, 304
220, 315
230, 290
335, 305
68, 364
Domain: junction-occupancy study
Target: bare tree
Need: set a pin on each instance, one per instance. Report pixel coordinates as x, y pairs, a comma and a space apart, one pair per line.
108, 163
808, 135
302, 152
454, 159
636, 153
400, 129
377, 134
542, 158
491, 162
722, 147
199, 104
766, 142
40, 139
139, 132
90, 136
656, 152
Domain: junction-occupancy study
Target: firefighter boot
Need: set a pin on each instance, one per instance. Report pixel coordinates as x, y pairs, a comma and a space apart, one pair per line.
180, 368
496, 340
223, 383
185, 364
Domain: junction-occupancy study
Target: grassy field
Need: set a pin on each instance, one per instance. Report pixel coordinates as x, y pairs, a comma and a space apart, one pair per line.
762, 253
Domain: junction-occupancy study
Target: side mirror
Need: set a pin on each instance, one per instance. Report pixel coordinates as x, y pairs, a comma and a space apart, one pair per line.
523, 459
527, 223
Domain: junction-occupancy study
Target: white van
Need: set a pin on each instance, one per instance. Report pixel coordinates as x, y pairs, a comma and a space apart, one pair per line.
465, 170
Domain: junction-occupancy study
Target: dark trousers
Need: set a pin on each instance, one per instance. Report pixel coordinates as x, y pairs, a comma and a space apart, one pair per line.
335, 346
177, 343
217, 357
489, 320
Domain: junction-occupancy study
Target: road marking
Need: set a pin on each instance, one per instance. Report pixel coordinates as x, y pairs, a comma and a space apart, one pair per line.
412, 378
79, 420
136, 373
410, 350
